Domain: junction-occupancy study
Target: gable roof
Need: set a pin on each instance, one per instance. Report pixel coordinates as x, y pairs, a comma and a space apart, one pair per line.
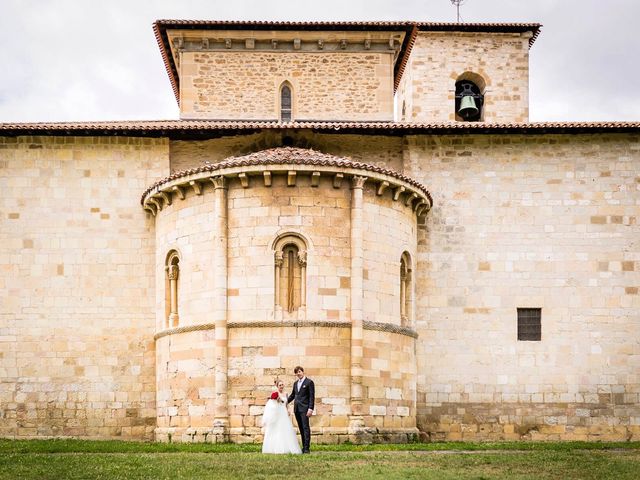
411, 29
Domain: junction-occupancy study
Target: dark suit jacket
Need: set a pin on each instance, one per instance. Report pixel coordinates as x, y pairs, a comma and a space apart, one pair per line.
305, 398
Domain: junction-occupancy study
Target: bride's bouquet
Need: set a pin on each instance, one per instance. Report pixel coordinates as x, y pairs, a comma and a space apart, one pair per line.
270, 409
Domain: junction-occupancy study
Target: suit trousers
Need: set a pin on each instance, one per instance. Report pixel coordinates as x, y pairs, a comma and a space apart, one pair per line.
305, 429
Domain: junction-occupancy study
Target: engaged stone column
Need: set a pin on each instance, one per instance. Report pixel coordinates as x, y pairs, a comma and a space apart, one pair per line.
173, 272
279, 260
221, 418
357, 184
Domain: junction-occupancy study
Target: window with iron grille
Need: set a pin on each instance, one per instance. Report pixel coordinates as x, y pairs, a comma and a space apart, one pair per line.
529, 324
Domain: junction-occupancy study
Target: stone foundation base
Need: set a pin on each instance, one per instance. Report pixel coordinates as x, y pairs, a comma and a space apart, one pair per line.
324, 437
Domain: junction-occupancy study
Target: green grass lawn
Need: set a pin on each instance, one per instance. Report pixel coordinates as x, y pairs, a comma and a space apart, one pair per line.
76, 459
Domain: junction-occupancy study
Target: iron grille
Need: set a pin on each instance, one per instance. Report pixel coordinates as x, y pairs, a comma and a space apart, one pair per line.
529, 324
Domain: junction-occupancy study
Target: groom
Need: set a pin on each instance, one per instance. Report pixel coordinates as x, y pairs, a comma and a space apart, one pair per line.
303, 393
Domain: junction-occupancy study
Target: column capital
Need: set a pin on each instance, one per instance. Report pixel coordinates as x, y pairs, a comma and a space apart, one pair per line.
220, 182
173, 271
302, 258
279, 258
357, 181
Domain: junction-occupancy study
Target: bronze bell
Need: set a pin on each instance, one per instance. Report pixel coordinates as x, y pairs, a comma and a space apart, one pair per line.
468, 107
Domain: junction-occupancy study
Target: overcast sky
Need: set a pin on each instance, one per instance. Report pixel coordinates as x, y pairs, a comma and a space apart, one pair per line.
80, 60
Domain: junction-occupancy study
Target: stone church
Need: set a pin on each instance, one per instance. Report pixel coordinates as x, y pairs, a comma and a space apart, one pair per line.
366, 199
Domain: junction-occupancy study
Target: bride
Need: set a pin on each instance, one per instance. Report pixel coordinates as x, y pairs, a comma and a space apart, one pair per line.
279, 435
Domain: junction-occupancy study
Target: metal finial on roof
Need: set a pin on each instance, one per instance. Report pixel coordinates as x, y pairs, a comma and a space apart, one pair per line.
457, 3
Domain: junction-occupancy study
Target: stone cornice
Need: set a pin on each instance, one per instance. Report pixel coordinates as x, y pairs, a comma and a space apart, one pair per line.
261, 166
382, 327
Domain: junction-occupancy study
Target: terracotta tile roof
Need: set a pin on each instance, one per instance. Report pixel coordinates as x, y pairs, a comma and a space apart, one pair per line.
290, 156
534, 28
160, 28
201, 129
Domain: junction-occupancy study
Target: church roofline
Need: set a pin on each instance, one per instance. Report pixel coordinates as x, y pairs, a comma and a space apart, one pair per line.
283, 160
411, 29
203, 129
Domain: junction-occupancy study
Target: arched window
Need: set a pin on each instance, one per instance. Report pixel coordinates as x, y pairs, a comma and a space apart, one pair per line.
286, 102
469, 97
290, 260
172, 268
406, 290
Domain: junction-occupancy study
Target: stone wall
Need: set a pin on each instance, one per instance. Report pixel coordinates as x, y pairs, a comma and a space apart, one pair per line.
389, 230
548, 221
265, 341
438, 60
77, 285
377, 150
243, 85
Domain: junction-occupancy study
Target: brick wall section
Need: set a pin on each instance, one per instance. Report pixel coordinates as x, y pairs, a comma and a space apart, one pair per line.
326, 86
76, 323
543, 221
438, 59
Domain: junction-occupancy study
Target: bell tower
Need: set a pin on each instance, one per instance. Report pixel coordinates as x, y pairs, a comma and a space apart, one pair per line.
462, 72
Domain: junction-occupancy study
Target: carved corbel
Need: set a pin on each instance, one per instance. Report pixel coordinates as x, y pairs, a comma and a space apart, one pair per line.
396, 193
382, 187
228, 43
291, 178
320, 44
250, 43
337, 180
274, 44
267, 178
157, 203
367, 44
197, 188
150, 208
244, 180
296, 44
179, 190
205, 43
343, 44
315, 179
410, 199
166, 197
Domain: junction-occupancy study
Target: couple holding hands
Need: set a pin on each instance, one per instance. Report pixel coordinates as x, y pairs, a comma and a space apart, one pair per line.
279, 435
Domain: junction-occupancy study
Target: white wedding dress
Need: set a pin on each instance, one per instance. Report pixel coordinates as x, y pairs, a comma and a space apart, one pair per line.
279, 435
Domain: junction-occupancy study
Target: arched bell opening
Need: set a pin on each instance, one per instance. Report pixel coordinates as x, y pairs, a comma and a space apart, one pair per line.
469, 98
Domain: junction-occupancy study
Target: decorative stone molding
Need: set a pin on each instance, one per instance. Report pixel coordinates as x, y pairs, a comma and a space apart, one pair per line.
293, 163
382, 327
185, 329
386, 327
